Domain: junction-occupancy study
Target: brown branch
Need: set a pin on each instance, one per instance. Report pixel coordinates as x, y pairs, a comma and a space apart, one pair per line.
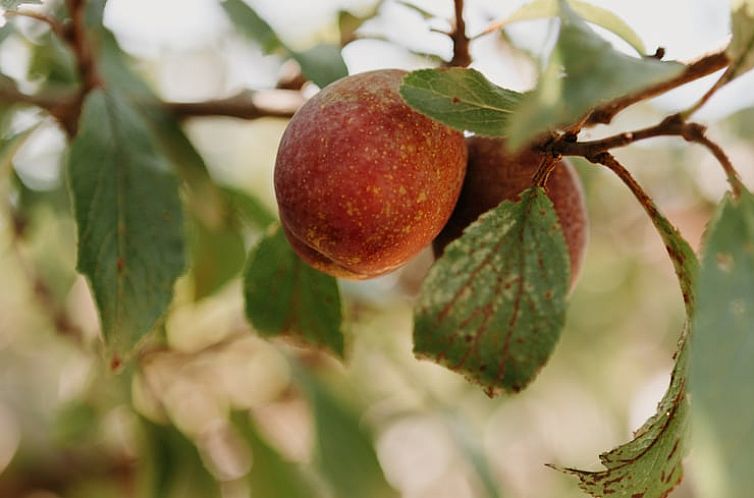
703, 67
10, 94
461, 55
671, 126
244, 106
55, 25
607, 159
82, 49
61, 106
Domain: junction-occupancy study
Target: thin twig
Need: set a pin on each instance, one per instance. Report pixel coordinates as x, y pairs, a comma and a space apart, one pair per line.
243, 106
491, 28
678, 249
671, 126
734, 179
78, 41
461, 55
82, 49
721, 81
61, 106
545, 168
55, 25
608, 160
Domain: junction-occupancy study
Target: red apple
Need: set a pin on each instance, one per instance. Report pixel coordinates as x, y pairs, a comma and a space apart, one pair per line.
362, 181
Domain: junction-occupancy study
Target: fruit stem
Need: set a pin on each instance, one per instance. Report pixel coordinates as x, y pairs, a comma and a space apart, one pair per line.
545, 168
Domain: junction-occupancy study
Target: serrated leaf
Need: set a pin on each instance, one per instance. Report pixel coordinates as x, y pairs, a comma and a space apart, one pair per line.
721, 370
344, 451
493, 306
14, 4
286, 296
741, 48
604, 18
252, 25
129, 217
685, 262
650, 465
271, 475
461, 98
322, 64
584, 71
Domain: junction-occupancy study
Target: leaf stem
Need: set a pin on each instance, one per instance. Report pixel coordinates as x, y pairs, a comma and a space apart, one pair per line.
703, 67
545, 168
680, 252
734, 179
725, 78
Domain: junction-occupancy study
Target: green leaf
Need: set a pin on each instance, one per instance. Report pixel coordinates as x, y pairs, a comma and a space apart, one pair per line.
682, 256
493, 306
130, 222
322, 64
249, 208
650, 465
252, 25
271, 475
174, 468
14, 4
286, 296
604, 18
584, 71
217, 256
741, 48
344, 450
722, 346
461, 98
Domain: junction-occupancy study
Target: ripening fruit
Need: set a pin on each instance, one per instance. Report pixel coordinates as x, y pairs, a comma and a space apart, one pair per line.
494, 175
362, 181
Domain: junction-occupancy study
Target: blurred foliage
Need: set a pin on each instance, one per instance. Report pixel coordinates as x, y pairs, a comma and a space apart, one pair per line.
207, 408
